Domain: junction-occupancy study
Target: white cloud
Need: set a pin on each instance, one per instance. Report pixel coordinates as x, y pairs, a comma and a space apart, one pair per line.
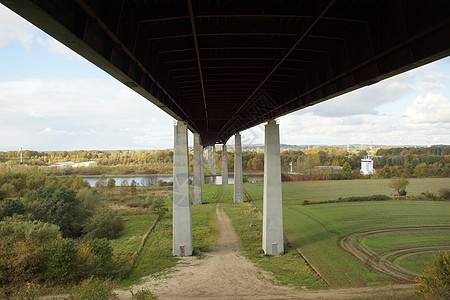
14, 29
432, 108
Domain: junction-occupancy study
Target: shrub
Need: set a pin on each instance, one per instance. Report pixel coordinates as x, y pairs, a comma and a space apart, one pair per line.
399, 185
11, 207
96, 258
22, 245
62, 261
143, 295
89, 199
435, 281
444, 194
93, 289
57, 206
104, 224
111, 183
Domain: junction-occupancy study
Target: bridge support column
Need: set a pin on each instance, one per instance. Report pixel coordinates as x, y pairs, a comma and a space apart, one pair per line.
213, 157
238, 180
224, 164
182, 223
198, 161
273, 242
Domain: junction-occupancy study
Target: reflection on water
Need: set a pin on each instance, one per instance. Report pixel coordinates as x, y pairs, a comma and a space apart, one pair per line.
153, 180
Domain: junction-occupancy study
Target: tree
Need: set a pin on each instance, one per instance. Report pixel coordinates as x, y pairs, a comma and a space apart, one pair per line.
111, 183
346, 171
435, 281
133, 187
399, 185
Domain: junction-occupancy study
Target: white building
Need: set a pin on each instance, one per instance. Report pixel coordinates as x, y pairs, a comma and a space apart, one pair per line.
367, 166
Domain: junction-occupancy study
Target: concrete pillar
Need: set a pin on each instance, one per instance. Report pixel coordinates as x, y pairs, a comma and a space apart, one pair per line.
213, 157
238, 182
224, 164
182, 223
273, 242
198, 161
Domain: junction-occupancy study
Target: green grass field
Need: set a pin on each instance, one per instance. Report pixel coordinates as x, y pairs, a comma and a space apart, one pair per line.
315, 229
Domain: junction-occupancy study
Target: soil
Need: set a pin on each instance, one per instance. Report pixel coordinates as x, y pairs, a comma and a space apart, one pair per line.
226, 274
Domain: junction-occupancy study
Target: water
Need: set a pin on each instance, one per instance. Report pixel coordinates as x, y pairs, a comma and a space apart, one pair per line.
153, 180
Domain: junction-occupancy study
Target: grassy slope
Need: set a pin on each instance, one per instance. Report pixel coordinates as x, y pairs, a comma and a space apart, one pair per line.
314, 230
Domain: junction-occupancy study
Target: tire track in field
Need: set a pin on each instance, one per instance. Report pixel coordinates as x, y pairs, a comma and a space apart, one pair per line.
353, 244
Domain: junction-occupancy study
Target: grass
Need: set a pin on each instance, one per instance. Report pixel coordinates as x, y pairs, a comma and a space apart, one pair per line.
130, 237
416, 262
297, 192
288, 269
156, 255
315, 229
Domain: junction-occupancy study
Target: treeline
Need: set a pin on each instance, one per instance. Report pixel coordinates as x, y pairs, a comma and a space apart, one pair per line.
413, 162
388, 162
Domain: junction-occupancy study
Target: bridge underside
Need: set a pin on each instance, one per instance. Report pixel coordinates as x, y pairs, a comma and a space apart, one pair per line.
226, 66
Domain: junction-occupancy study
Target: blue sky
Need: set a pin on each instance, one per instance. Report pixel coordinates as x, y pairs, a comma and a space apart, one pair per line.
52, 99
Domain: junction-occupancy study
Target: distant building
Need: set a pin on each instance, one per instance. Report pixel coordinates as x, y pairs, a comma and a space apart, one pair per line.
73, 165
367, 166
62, 164
85, 164
329, 168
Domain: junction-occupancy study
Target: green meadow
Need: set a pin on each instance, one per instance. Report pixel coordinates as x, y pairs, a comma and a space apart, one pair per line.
315, 229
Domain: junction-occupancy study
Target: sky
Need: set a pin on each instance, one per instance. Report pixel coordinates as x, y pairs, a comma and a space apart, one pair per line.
53, 99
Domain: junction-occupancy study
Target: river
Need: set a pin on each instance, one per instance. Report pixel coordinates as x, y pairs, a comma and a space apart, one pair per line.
153, 180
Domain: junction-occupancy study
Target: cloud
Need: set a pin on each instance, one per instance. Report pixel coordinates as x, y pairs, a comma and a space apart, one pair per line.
432, 108
369, 99
55, 47
14, 29
81, 113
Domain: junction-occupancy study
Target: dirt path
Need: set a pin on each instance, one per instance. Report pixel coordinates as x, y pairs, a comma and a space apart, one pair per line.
225, 274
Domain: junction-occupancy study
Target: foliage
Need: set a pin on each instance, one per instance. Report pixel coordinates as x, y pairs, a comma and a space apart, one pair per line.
142, 295
9, 207
435, 281
399, 185
105, 223
111, 183
57, 206
93, 289
62, 260
96, 258
22, 245
444, 194
89, 199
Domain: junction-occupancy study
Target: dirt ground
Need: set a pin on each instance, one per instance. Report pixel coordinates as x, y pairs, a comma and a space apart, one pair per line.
225, 274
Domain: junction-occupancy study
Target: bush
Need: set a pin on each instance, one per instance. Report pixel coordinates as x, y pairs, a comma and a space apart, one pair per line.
399, 185
57, 206
435, 281
111, 183
11, 207
96, 258
143, 295
103, 224
444, 194
62, 261
93, 289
